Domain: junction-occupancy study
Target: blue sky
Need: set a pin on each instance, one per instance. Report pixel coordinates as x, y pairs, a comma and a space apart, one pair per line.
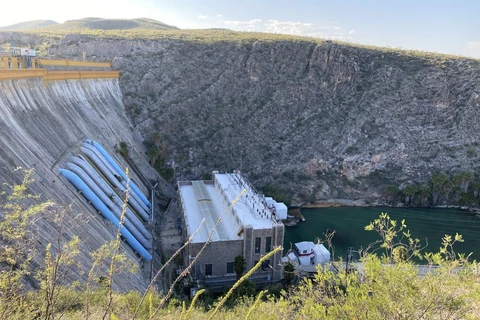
440, 26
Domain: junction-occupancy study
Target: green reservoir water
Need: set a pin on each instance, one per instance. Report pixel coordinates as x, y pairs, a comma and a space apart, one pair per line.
349, 225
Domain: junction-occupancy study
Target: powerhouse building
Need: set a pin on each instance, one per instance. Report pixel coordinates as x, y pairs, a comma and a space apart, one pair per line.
250, 227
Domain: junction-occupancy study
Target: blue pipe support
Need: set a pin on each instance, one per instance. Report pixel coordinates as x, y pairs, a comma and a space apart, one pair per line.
107, 214
120, 171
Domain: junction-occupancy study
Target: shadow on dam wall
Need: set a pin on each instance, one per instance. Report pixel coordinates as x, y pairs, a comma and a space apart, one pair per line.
41, 125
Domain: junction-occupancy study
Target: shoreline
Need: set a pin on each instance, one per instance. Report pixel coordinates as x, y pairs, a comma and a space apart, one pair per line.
296, 216
334, 203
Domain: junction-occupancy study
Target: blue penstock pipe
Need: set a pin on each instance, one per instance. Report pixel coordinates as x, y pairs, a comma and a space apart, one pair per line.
106, 213
120, 171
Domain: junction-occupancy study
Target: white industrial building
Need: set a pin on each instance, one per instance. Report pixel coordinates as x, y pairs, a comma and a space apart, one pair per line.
250, 227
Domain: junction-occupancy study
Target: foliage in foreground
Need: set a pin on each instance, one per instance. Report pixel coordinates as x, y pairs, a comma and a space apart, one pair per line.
385, 284
381, 292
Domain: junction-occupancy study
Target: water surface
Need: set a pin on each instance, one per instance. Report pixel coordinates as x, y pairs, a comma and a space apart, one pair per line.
349, 224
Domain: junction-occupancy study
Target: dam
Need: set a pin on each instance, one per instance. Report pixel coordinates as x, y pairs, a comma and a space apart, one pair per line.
44, 125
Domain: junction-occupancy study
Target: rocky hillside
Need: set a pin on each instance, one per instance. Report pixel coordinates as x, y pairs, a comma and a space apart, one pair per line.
305, 117
29, 25
109, 24
320, 120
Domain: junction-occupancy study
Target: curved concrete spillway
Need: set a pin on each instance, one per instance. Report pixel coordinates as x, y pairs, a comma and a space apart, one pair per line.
106, 213
41, 123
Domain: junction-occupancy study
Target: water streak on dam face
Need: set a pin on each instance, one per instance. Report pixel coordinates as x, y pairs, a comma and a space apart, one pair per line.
41, 124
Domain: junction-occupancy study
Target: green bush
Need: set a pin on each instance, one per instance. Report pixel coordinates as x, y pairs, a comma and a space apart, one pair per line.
124, 149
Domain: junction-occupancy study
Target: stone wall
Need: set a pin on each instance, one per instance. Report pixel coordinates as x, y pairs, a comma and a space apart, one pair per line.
217, 253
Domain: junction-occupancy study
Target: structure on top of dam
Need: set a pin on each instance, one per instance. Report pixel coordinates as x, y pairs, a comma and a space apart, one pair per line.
21, 63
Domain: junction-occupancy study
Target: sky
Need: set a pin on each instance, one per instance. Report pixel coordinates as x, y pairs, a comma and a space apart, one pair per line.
444, 26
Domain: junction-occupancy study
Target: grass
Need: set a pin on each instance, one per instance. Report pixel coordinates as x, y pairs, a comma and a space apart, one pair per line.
148, 30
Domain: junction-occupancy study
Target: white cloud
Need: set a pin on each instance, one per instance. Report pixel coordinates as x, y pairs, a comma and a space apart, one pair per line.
473, 45
236, 23
250, 25
352, 32
304, 29
202, 17
330, 30
473, 49
219, 15
291, 27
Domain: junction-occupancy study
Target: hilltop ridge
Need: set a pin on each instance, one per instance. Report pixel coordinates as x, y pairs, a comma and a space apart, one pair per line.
90, 23
27, 25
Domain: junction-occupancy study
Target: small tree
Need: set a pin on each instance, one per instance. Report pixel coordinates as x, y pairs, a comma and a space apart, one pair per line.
239, 266
288, 273
246, 288
18, 213
153, 154
124, 149
396, 240
410, 191
392, 194
157, 139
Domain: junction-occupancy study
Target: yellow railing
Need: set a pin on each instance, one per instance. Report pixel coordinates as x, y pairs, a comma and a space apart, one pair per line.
68, 63
9, 74
20, 67
21, 63
11, 63
72, 75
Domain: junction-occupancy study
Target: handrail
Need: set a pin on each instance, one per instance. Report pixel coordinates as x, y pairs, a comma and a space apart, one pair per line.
69, 63
74, 75
12, 74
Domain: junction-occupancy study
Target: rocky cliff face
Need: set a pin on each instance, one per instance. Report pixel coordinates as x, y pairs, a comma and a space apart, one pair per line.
318, 120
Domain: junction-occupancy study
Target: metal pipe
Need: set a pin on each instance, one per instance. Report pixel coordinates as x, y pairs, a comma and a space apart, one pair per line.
100, 165
130, 222
93, 174
121, 178
153, 200
85, 165
119, 170
107, 214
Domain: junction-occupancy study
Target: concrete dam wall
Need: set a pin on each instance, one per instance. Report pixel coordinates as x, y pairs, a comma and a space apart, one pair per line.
42, 126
